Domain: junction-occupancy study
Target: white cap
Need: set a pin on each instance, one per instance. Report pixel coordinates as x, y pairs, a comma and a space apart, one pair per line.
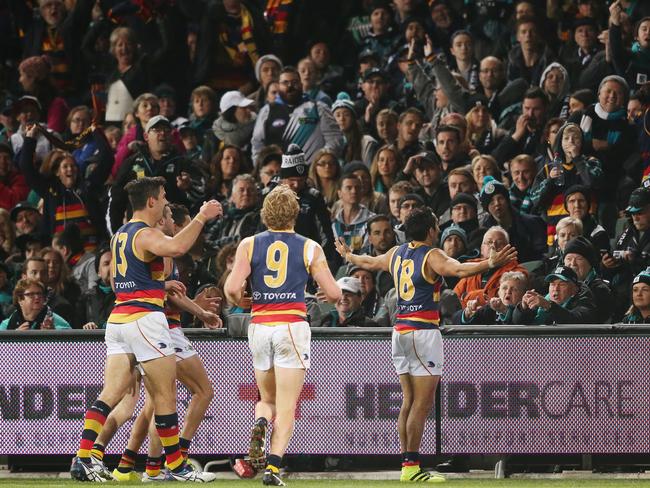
234, 99
349, 284
155, 120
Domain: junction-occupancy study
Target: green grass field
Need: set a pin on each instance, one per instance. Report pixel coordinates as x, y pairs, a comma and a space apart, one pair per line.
467, 483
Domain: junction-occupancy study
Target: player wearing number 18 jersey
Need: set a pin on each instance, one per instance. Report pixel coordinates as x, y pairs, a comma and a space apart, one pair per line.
279, 263
417, 269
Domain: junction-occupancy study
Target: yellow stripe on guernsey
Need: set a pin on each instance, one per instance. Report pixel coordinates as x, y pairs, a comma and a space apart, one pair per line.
123, 318
290, 311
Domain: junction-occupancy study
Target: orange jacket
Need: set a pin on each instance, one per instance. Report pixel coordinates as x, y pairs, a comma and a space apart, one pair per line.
470, 288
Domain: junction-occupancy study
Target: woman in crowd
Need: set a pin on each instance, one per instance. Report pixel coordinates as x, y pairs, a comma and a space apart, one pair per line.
386, 164
225, 165
268, 164
32, 311
482, 131
358, 147
35, 80
484, 165
639, 312
324, 173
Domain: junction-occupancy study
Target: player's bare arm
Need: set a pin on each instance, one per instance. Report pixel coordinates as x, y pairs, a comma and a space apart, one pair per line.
241, 269
371, 263
441, 264
320, 271
182, 302
155, 242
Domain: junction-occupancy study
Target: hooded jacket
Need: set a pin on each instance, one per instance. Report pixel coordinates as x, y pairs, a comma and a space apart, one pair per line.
559, 104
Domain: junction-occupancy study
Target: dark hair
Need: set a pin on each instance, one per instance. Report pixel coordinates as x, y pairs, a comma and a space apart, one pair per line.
179, 213
374, 220
99, 252
347, 176
28, 260
142, 189
449, 128
71, 238
411, 111
536, 92
419, 222
289, 69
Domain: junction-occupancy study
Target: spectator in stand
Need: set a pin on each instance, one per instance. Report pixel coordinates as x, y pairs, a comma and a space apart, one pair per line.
267, 71
611, 139
578, 54
7, 236
449, 147
203, 109
13, 188
27, 111
567, 229
577, 200
426, 169
32, 311
241, 216
568, 167
634, 65
348, 310
371, 301
386, 126
462, 58
325, 172
564, 304
27, 218
484, 165
225, 165
531, 55
376, 97
69, 242
482, 131
69, 197
526, 138
96, 303
639, 312
555, 84
358, 147
35, 80
407, 204
268, 165
78, 120
385, 168
374, 201
455, 244
145, 108
157, 158
464, 214
382, 38
293, 117
57, 33
232, 37
39, 269
581, 257
499, 310
526, 231
381, 238
309, 79
482, 287
522, 171
349, 222
234, 127
580, 100
395, 194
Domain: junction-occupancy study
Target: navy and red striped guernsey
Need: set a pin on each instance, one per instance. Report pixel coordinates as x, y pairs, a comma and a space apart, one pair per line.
279, 273
139, 280
418, 296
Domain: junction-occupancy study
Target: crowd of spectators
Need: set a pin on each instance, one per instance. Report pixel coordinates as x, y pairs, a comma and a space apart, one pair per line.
515, 121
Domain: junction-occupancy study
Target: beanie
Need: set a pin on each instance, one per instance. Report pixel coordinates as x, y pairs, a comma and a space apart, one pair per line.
583, 247
37, 67
293, 163
490, 188
343, 101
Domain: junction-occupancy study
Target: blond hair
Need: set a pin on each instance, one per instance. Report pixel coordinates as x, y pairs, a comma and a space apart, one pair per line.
280, 208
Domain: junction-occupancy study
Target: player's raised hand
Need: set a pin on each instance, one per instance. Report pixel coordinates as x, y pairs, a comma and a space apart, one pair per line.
211, 210
504, 256
174, 287
342, 248
209, 303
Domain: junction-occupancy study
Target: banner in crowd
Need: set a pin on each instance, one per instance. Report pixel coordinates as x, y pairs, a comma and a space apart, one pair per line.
499, 395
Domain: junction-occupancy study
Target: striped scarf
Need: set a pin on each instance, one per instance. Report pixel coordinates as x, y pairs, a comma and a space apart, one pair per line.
244, 42
277, 14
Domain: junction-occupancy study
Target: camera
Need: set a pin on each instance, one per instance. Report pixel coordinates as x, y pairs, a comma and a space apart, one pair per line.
618, 254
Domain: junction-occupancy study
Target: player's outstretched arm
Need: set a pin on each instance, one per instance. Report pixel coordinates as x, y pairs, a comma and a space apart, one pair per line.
157, 243
371, 263
241, 269
211, 320
320, 271
443, 265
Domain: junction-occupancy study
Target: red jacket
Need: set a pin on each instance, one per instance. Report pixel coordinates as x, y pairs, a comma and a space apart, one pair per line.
13, 189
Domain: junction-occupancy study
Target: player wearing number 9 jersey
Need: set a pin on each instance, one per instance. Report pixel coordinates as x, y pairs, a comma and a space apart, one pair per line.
417, 269
279, 263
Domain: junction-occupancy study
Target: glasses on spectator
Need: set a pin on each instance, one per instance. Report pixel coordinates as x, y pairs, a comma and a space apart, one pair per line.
491, 243
409, 206
328, 162
290, 82
34, 294
160, 130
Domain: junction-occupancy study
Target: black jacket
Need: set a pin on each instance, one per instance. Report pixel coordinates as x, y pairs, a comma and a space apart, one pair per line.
95, 305
527, 234
580, 309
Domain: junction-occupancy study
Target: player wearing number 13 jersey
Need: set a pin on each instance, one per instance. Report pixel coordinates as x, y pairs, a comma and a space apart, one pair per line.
417, 269
137, 331
279, 263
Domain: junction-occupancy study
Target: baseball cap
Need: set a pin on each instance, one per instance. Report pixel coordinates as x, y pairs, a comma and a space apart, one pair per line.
349, 284
369, 73
155, 120
234, 98
20, 207
638, 200
563, 273
24, 100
